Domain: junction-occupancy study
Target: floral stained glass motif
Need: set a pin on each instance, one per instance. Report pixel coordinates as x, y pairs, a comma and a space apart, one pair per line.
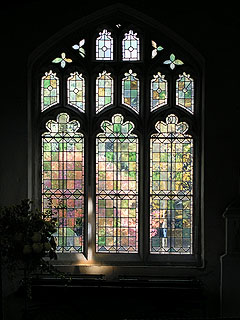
117, 187
171, 188
63, 180
76, 91
104, 91
104, 46
158, 91
130, 91
185, 92
173, 61
62, 60
130, 47
49, 90
155, 49
80, 48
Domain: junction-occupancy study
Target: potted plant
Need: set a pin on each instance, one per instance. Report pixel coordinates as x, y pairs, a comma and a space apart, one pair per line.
27, 242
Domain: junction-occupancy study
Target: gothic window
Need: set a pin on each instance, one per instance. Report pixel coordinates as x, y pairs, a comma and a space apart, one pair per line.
118, 111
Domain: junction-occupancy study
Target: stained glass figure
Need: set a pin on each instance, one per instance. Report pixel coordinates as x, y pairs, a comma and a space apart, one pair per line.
104, 46
130, 47
62, 60
49, 90
104, 91
130, 91
156, 49
80, 48
158, 91
117, 187
63, 180
173, 61
76, 91
171, 188
185, 92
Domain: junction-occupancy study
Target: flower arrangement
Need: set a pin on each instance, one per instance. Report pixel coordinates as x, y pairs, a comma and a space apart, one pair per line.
26, 237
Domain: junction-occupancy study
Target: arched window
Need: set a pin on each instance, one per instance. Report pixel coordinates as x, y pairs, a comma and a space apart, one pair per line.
119, 112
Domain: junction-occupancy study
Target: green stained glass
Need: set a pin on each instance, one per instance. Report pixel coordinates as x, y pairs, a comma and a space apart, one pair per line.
185, 92
158, 91
171, 188
49, 90
104, 91
76, 91
117, 187
130, 91
63, 180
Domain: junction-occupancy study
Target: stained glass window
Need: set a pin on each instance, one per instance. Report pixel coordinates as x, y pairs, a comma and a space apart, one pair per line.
171, 188
130, 91
63, 180
117, 187
49, 90
104, 91
185, 92
130, 47
104, 46
76, 91
158, 91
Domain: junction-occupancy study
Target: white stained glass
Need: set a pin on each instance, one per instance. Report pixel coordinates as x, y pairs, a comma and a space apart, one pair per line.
104, 46
131, 47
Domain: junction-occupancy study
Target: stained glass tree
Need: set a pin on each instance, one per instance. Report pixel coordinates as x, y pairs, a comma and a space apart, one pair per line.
158, 91
76, 91
49, 90
130, 91
63, 180
104, 46
104, 91
171, 188
130, 47
185, 92
117, 187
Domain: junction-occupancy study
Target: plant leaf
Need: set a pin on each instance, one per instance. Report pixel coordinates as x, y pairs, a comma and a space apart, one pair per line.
159, 48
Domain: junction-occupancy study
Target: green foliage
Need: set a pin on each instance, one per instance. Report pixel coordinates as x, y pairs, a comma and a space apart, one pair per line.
26, 237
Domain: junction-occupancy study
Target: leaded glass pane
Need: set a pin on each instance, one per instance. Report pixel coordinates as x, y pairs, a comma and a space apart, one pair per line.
76, 91
185, 92
130, 91
104, 91
130, 47
49, 90
171, 188
63, 180
104, 46
158, 91
117, 187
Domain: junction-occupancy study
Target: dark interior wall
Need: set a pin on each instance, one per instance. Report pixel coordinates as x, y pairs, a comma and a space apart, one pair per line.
212, 31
